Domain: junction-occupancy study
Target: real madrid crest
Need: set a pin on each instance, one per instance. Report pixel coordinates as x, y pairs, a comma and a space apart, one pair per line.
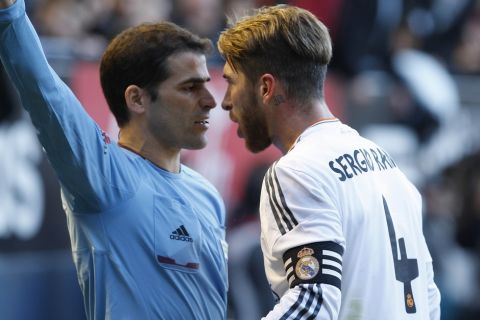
307, 266
410, 301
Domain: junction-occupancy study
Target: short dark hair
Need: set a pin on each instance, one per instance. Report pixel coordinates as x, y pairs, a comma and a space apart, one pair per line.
286, 41
138, 56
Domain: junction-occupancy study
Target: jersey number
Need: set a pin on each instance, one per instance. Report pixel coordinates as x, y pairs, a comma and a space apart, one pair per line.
405, 269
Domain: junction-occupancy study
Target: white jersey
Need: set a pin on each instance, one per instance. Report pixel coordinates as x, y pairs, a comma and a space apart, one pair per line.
342, 232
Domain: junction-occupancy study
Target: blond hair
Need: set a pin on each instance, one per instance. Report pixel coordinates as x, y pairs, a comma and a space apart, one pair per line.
286, 41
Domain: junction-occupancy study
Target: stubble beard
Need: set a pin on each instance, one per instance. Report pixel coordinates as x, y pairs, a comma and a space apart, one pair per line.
197, 145
195, 141
256, 134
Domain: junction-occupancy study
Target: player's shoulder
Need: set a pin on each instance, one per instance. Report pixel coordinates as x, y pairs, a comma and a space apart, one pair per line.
296, 166
323, 151
324, 139
317, 145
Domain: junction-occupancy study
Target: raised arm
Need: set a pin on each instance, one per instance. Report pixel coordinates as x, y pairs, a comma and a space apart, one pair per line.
83, 159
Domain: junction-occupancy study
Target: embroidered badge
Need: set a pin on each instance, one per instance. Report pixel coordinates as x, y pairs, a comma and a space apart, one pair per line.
106, 138
410, 301
307, 266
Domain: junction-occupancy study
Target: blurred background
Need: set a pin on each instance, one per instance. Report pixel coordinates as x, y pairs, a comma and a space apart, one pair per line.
405, 73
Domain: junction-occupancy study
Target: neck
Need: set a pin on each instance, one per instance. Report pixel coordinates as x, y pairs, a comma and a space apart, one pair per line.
292, 121
150, 149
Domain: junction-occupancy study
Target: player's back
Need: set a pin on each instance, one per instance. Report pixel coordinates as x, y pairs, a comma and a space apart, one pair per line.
386, 269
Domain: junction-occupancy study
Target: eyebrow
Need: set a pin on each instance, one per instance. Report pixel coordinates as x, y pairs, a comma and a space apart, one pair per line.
195, 80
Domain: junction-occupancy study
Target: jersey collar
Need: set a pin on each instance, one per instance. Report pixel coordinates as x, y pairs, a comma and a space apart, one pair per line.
302, 135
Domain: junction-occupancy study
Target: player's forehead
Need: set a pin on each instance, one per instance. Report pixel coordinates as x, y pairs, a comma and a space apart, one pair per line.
187, 65
229, 73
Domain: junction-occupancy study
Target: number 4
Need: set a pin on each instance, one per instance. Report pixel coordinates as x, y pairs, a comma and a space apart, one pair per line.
405, 269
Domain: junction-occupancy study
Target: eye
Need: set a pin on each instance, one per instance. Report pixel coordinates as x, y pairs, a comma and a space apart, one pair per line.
192, 87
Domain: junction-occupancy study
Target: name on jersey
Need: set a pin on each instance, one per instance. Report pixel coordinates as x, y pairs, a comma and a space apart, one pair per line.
361, 161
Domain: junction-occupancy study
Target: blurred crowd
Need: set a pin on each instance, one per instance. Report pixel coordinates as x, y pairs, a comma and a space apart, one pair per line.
405, 73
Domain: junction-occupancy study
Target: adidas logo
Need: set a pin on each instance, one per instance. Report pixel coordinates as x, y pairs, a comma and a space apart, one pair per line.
181, 234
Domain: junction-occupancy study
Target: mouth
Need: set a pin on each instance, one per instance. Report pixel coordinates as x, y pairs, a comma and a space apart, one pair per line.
202, 125
233, 118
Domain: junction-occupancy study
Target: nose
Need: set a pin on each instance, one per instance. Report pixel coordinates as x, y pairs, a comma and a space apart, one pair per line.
208, 102
226, 104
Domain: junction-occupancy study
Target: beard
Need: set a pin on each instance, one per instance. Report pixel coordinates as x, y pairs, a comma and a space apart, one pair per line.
255, 130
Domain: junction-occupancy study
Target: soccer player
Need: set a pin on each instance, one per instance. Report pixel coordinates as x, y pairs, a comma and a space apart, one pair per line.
146, 231
341, 226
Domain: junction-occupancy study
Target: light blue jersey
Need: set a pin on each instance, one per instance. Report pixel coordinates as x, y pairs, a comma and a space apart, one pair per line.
147, 243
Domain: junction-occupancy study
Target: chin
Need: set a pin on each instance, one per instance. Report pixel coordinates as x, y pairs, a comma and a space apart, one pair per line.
196, 145
257, 146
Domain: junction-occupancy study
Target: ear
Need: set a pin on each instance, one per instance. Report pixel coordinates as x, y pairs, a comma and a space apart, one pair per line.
135, 99
267, 88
